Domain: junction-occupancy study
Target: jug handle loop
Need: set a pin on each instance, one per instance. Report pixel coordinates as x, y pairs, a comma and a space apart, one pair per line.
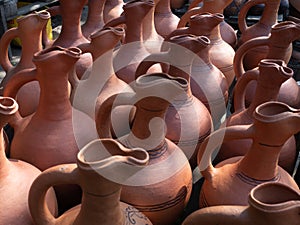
56, 175
185, 19
6, 38
242, 24
116, 22
194, 4
149, 61
240, 89
103, 116
214, 140
242, 51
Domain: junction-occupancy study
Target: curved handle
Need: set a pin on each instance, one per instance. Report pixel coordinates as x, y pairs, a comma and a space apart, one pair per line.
116, 22
103, 116
240, 89
184, 20
17, 81
242, 51
61, 174
194, 4
242, 24
6, 38
214, 140
149, 61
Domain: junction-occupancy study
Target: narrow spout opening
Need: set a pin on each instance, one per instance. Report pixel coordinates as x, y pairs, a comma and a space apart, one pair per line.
43, 15
283, 25
8, 106
119, 31
133, 3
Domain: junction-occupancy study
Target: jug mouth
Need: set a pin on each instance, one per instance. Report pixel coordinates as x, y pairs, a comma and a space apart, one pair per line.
200, 16
119, 31
8, 105
43, 15
72, 51
273, 197
133, 3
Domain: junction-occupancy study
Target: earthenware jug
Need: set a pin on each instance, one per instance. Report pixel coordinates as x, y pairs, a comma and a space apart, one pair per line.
230, 181
279, 44
15, 173
188, 121
261, 28
101, 82
29, 31
221, 53
165, 20
97, 165
216, 6
71, 32
94, 20
133, 50
163, 188
51, 129
265, 91
268, 203
112, 9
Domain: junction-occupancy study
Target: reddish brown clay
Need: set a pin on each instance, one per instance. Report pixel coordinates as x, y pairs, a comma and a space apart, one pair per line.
265, 91
261, 28
268, 203
163, 188
187, 119
101, 191
71, 33
16, 178
221, 53
212, 6
133, 49
229, 182
279, 45
29, 30
50, 129
112, 9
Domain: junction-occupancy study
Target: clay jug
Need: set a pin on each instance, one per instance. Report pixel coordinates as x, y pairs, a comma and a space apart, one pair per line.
71, 32
279, 44
229, 182
262, 28
165, 20
51, 128
112, 9
97, 165
133, 50
268, 203
221, 53
15, 174
94, 20
265, 91
188, 121
168, 166
29, 31
102, 81
216, 6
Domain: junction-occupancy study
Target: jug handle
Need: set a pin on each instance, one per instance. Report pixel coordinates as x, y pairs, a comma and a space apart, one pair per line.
56, 175
240, 89
149, 61
6, 38
103, 115
214, 140
184, 20
54, 11
242, 24
194, 4
242, 51
116, 22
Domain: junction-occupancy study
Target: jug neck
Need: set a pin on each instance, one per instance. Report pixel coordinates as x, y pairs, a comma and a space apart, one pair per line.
95, 12
163, 7
3, 158
149, 29
270, 12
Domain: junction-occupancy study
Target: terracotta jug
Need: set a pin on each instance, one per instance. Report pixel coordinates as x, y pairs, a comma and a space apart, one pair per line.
229, 182
265, 91
133, 50
188, 121
51, 128
101, 192
15, 174
228, 34
112, 9
102, 82
279, 44
221, 53
262, 28
71, 32
29, 31
165, 20
163, 188
94, 20
268, 203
